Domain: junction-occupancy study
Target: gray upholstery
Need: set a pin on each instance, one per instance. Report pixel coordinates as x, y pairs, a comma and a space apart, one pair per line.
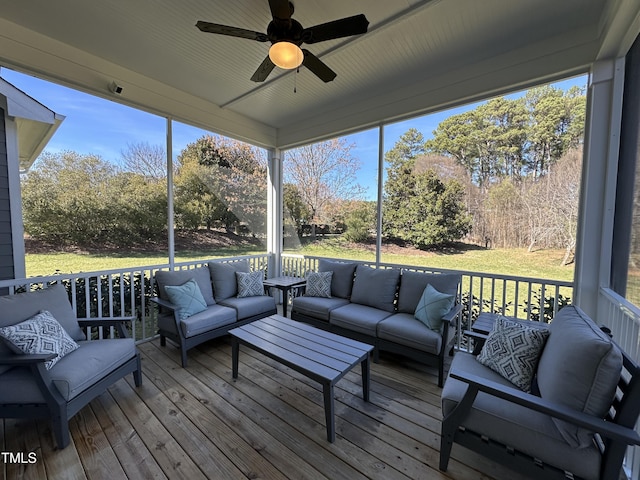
404, 329
579, 368
358, 318
412, 284
375, 287
89, 363
317, 307
525, 430
223, 276
342, 280
246, 307
179, 277
213, 317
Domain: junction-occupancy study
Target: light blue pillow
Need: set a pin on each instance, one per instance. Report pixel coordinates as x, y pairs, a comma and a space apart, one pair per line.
432, 306
187, 297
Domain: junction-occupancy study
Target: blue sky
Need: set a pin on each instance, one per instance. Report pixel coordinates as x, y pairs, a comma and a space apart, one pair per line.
97, 126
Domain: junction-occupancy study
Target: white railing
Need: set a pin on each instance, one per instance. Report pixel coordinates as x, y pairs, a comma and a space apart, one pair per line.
120, 292
623, 318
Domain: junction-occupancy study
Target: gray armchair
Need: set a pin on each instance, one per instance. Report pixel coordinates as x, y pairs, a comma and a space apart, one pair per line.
576, 422
33, 386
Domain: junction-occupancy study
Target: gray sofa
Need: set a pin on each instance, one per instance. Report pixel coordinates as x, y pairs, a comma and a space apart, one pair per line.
573, 418
217, 282
31, 386
377, 306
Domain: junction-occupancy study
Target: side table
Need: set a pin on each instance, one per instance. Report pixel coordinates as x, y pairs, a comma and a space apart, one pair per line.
286, 284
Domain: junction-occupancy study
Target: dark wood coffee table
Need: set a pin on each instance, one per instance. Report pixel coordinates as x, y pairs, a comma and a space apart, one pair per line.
317, 354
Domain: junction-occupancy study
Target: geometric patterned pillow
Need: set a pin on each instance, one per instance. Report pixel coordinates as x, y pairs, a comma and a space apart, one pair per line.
513, 349
41, 334
250, 284
319, 284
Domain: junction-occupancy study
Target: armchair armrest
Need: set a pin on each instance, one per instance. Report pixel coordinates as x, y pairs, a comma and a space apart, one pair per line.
25, 360
595, 424
116, 322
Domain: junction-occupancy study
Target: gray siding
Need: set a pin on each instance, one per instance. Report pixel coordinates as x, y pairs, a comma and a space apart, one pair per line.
6, 246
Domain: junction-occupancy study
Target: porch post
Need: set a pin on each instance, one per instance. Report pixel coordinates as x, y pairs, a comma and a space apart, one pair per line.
598, 188
380, 193
274, 210
170, 225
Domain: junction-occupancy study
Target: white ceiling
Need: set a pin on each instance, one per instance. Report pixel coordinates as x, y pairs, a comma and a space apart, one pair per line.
418, 56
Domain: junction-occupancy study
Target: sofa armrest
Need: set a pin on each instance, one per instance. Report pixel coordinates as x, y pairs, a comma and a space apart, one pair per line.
453, 313
164, 303
595, 424
117, 322
25, 360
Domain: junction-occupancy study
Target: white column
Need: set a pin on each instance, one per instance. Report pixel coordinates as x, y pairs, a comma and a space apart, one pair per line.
274, 209
380, 192
170, 224
598, 188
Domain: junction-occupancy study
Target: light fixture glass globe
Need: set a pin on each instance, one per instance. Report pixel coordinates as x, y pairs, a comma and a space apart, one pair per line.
286, 55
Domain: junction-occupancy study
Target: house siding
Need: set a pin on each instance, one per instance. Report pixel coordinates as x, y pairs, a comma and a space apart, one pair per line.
6, 247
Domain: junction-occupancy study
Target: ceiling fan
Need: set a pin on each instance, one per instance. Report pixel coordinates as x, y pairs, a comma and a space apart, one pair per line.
286, 35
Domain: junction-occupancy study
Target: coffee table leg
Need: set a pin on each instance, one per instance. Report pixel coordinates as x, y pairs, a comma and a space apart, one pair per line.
327, 390
366, 378
235, 350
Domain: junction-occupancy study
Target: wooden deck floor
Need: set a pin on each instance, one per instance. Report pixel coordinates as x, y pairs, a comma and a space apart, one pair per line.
268, 424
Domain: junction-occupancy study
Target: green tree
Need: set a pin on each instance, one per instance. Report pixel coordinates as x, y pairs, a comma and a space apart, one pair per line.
296, 212
360, 221
221, 182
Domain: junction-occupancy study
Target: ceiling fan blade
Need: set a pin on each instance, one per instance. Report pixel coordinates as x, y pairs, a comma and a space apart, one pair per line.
281, 9
317, 66
263, 71
231, 31
344, 27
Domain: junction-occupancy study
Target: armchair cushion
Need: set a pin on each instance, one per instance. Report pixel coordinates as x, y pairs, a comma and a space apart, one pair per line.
513, 349
342, 280
250, 284
224, 280
187, 297
432, 306
580, 367
375, 287
38, 335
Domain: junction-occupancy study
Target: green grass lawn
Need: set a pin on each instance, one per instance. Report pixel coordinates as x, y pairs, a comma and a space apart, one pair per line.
539, 264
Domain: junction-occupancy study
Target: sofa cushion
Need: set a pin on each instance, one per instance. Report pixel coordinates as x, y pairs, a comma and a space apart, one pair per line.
40, 334
179, 277
359, 318
223, 276
318, 284
89, 363
213, 317
317, 307
513, 349
187, 298
510, 424
22, 306
375, 287
579, 367
246, 307
250, 284
342, 279
404, 329
433, 305
412, 285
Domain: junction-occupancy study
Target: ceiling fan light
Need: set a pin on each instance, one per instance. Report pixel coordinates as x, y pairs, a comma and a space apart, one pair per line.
286, 55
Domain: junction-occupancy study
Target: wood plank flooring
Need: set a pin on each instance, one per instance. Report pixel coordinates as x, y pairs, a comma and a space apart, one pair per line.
197, 423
